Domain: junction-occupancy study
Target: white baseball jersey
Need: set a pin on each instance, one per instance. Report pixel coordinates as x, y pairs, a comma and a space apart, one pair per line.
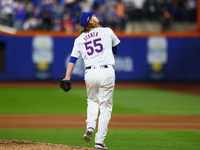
95, 47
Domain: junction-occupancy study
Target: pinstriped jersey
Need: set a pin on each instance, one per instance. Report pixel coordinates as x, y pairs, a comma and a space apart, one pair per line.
95, 47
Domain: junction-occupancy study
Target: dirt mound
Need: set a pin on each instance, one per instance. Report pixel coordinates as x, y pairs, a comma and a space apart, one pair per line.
29, 145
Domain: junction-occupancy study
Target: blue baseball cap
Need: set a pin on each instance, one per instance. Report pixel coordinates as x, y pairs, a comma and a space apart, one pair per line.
85, 18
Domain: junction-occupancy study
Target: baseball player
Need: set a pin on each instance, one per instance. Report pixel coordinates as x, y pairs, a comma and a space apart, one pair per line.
97, 45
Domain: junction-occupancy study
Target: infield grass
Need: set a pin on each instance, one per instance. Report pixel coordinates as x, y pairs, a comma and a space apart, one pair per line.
116, 139
126, 101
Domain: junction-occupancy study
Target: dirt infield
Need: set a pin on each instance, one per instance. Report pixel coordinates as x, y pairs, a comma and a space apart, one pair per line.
78, 121
117, 122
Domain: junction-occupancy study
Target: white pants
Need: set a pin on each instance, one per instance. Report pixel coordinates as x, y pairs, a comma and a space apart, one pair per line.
100, 84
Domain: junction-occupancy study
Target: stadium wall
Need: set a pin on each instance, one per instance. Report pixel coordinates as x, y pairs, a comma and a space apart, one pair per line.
141, 57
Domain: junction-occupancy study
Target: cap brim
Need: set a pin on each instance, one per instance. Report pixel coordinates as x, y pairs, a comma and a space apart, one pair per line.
91, 13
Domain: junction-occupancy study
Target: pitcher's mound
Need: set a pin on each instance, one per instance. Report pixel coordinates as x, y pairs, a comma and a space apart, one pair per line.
29, 145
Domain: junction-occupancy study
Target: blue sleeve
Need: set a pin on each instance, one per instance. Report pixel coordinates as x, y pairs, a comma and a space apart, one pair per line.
72, 59
114, 50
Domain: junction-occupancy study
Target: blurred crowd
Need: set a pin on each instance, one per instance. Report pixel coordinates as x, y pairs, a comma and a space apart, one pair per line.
63, 15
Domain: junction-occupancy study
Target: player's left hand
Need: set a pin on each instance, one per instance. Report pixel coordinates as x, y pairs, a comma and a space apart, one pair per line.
65, 85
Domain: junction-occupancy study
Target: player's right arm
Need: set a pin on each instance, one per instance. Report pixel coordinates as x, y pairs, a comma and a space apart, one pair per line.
69, 70
72, 61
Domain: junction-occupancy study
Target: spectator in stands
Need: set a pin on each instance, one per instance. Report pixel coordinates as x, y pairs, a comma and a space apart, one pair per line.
57, 16
46, 14
135, 9
49, 15
191, 6
120, 16
29, 7
6, 12
86, 5
73, 9
166, 20
175, 11
67, 24
111, 16
19, 16
31, 23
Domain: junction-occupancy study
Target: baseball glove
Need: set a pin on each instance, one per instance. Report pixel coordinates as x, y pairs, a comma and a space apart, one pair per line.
65, 85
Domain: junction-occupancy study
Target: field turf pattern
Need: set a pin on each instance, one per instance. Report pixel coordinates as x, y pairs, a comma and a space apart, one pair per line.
133, 101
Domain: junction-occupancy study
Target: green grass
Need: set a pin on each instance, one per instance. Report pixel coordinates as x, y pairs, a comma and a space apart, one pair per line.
42, 101
126, 101
153, 101
116, 139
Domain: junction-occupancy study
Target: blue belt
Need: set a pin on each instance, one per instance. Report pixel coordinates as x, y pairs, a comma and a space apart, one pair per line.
103, 66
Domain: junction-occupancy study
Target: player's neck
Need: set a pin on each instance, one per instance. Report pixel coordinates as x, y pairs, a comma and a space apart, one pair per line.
89, 28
